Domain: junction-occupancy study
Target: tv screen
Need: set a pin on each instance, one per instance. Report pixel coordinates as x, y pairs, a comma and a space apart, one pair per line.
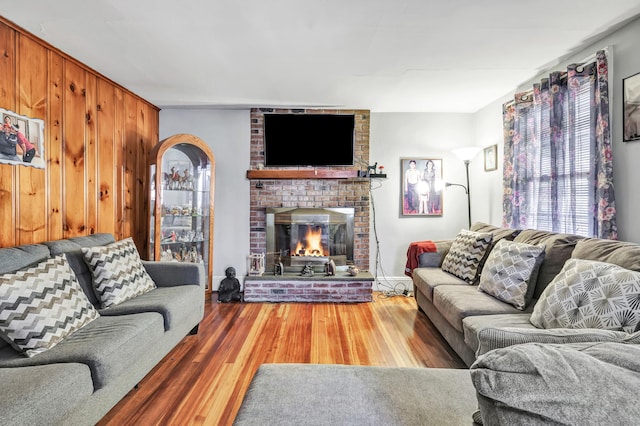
308, 140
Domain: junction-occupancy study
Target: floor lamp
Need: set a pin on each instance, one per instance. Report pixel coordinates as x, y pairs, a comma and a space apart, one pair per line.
465, 154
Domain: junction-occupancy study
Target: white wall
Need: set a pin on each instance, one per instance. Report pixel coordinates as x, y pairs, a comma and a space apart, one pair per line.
407, 135
624, 61
227, 132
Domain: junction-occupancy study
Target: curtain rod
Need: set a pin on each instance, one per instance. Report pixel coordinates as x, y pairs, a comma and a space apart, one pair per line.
588, 59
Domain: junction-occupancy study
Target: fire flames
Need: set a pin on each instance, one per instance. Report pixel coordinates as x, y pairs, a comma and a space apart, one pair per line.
310, 244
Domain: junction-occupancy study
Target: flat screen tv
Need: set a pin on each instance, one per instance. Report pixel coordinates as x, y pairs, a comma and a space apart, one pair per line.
308, 140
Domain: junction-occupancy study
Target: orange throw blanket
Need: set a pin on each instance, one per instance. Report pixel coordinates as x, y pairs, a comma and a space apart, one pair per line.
413, 254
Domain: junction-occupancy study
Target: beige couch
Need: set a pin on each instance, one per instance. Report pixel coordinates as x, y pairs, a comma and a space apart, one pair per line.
459, 311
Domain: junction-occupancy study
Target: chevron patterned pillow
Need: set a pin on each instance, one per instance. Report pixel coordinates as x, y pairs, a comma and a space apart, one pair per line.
510, 272
41, 305
466, 253
590, 294
118, 273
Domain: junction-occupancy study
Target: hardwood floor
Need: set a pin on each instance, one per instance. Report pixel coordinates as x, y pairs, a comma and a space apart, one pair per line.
203, 380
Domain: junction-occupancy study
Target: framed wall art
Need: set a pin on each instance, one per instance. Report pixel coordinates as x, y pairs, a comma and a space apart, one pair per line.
421, 188
21, 140
491, 158
631, 108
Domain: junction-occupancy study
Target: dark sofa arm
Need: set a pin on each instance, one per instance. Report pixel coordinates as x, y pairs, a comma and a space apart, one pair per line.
170, 274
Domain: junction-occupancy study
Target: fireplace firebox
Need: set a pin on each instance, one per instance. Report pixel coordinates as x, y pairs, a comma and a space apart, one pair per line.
297, 237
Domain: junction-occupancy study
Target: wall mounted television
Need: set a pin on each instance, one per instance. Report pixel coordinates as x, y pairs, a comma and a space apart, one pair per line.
308, 140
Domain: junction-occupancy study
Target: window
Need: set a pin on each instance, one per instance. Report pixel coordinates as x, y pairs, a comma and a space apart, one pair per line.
558, 172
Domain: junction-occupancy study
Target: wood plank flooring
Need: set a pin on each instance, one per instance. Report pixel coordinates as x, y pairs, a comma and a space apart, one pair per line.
202, 381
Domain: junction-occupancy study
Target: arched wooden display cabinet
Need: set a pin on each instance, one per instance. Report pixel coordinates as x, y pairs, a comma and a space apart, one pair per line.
182, 172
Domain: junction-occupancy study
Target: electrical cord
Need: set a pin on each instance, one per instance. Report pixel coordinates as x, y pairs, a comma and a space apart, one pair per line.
392, 290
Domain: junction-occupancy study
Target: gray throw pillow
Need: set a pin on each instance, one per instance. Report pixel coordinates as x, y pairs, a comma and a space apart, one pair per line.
41, 305
466, 253
510, 272
590, 294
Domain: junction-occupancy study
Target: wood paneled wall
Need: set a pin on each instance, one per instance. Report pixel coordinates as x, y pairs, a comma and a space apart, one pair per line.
97, 137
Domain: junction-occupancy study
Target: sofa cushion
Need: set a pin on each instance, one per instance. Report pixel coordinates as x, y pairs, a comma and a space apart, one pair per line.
558, 248
510, 272
14, 258
458, 302
578, 384
426, 279
491, 338
624, 254
28, 399
590, 294
178, 305
466, 253
71, 247
473, 325
42, 305
107, 345
498, 233
118, 273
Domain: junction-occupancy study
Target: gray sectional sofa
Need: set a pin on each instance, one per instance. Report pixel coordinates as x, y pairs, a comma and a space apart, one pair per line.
459, 311
80, 379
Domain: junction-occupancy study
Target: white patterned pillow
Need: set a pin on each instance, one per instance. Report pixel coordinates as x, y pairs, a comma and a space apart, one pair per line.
590, 294
41, 305
118, 273
466, 253
510, 272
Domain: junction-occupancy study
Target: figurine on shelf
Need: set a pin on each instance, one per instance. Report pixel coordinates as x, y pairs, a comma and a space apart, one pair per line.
186, 181
229, 290
183, 253
193, 255
166, 255
166, 177
372, 169
166, 238
172, 179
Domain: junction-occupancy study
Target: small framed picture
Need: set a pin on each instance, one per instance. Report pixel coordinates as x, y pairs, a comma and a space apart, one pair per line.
491, 158
631, 108
421, 188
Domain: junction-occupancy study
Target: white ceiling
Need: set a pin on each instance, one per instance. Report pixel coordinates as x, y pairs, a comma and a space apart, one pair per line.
382, 55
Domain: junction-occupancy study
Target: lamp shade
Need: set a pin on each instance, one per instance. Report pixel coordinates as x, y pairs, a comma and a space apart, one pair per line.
466, 153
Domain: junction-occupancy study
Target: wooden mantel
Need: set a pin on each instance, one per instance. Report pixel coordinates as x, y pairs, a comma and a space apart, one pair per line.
302, 174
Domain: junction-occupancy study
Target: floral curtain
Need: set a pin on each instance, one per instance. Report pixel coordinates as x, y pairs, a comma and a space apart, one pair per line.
558, 172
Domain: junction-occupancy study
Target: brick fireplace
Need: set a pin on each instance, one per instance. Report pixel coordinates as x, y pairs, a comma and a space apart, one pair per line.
310, 192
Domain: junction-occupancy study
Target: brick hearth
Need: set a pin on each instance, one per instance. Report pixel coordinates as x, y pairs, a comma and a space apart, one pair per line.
295, 288
350, 192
